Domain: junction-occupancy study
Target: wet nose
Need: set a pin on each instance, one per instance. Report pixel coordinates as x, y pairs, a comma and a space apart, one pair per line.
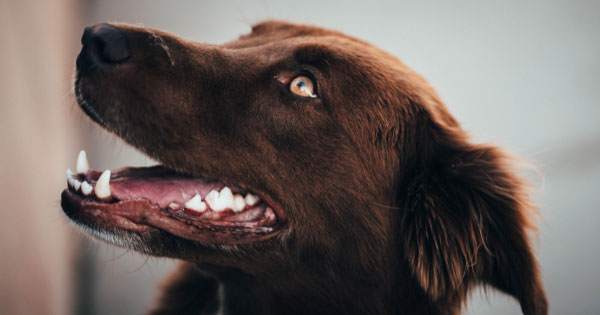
103, 44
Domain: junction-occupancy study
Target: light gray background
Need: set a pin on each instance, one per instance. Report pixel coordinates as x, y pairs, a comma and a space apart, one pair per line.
522, 74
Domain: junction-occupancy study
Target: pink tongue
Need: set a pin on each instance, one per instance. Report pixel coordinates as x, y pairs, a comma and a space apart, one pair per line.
161, 191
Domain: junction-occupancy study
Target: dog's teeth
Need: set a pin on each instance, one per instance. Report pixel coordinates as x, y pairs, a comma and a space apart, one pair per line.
196, 204
86, 188
251, 199
76, 184
238, 203
69, 177
174, 205
226, 198
82, 162
73, 183
212, 199
103, 185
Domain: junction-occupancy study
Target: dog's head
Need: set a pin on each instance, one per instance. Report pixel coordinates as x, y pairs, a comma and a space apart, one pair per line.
307, 150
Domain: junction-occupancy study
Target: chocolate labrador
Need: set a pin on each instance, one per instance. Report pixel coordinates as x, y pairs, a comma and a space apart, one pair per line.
303, 171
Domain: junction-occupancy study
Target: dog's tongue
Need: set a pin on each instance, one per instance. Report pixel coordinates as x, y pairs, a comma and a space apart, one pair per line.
161, 190
158, 184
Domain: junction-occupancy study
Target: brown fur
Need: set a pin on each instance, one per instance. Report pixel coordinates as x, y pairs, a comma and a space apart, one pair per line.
391, 209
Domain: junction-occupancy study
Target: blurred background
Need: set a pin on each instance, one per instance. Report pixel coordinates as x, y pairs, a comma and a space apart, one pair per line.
522, 74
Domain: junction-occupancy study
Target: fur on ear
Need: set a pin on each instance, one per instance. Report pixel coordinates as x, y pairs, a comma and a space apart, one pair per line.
465, 216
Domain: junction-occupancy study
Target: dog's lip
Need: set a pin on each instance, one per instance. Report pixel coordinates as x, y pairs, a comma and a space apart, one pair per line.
143, 216
258, 221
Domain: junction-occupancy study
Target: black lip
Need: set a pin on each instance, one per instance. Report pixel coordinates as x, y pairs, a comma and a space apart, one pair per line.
141, 216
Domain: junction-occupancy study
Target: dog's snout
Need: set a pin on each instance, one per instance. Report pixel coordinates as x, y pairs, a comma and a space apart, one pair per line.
103, 44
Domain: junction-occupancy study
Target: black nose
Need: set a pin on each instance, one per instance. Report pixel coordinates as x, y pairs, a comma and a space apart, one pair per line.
103, 44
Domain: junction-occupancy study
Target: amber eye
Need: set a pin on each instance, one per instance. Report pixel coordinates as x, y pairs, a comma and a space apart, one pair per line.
303, 86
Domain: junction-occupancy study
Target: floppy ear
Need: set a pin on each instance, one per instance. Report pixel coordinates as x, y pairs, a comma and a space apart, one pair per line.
464, 220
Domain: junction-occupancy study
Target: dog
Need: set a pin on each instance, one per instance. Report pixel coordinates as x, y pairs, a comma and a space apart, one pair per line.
303, 171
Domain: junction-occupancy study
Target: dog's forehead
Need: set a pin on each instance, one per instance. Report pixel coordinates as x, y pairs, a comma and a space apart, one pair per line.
290, 29
350, 60
280, 35
276, 41
280, 30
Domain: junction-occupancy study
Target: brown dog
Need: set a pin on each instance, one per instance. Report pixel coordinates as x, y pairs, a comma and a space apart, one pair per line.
304, 171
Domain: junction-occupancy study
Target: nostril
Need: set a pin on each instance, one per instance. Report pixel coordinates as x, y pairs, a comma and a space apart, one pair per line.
103, 44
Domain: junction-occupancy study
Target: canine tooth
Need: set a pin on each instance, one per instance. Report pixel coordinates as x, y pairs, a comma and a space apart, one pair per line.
103, 185
196, 204
86, 188
82, 162
226, 198
212, 199
251, 199
238, 203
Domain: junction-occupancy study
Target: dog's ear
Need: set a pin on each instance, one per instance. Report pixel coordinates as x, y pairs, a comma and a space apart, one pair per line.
464, 219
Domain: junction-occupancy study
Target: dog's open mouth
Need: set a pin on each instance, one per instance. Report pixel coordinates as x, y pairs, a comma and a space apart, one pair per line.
142, 198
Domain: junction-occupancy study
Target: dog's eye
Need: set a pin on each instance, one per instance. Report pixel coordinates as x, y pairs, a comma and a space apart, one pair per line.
303, 86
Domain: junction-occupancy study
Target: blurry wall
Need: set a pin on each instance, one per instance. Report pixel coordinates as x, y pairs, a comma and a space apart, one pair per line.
37, 130
522, 74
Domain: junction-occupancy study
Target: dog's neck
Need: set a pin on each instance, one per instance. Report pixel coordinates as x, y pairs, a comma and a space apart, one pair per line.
298, 294
355, 276
301, 291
